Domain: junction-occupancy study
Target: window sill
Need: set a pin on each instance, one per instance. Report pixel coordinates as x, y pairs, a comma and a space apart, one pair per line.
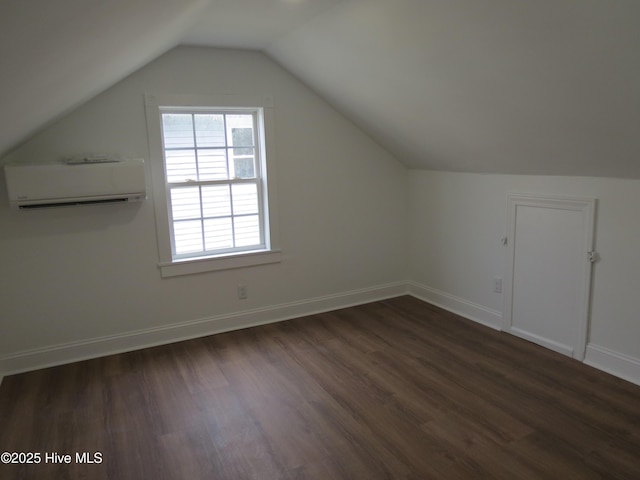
226, 262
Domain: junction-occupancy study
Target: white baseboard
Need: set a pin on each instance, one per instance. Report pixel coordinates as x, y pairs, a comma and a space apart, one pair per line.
542, 341
108, 345
459, 306
618, 364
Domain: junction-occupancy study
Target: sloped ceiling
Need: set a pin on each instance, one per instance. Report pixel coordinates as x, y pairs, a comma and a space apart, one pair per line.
499, 86
54, 55
508, 86
251, 24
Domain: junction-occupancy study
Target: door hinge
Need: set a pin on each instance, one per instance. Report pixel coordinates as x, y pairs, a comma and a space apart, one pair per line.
592, 256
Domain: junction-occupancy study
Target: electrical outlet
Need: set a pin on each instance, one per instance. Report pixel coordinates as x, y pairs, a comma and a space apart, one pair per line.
242, 292
497, 285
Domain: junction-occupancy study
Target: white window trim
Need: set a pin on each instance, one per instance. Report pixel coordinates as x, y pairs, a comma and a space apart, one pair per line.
170, 267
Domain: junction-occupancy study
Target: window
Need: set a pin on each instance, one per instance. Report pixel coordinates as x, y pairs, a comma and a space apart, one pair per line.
213, 210
213, 180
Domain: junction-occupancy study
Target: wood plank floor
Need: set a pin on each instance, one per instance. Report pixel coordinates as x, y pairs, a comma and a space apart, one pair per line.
395, 389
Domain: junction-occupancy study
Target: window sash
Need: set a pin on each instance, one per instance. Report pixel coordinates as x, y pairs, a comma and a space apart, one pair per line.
260, 244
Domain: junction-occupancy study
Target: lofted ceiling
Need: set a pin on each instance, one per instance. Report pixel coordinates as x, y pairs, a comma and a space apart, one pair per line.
55, 55
252, 24
497, 86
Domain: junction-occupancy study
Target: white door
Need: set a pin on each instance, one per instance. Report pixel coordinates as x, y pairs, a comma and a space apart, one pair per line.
548, 284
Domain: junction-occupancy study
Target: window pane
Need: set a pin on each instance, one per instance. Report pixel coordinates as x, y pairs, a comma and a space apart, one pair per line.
240, 131
239, 120
216, 201
245, 198
247, 230
181, 166
177, 130
210, 130
212, 165
185, 203
218, 233
187, 236
241, 137
243, 163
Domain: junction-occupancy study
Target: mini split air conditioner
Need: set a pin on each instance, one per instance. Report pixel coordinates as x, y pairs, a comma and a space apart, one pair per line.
74, 183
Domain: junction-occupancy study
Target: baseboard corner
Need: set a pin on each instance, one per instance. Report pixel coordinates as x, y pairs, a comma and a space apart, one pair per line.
469, 310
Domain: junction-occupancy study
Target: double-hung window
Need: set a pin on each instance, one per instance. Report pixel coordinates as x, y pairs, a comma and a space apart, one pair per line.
213, 181
215, 204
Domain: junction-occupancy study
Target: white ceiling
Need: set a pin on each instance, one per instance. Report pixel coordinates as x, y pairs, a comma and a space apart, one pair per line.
506, 86
55, 55
253, 24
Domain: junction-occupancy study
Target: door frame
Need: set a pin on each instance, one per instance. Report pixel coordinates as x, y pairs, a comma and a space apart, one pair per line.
588, 208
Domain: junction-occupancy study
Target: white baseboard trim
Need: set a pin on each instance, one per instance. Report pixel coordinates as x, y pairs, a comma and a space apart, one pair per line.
617, 364
472, 311
98, 347
544, 342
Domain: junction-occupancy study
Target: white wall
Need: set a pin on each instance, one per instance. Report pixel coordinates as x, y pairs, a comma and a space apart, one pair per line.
457, 220
71, 276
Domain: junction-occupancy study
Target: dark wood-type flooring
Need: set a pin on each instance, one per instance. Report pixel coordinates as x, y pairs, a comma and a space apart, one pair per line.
393, 389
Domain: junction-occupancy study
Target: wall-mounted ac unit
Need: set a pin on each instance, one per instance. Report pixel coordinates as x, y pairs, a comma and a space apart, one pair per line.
74, 183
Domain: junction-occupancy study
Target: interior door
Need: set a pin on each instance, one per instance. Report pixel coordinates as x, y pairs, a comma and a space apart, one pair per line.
548, 284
